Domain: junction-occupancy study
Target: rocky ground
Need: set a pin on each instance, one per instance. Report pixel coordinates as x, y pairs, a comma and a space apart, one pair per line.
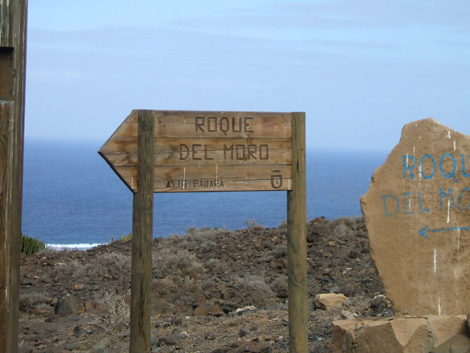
214, 291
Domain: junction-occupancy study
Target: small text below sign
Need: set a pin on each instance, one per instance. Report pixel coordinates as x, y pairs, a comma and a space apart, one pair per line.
208, 151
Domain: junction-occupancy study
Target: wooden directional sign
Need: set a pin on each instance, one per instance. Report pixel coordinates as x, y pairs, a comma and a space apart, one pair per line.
182, 151
208, 151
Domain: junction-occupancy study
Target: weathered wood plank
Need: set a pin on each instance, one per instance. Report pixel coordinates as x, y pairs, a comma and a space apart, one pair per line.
204, 185
142, 234
241, 125
228, 178
297, 242
210, 124
122, 153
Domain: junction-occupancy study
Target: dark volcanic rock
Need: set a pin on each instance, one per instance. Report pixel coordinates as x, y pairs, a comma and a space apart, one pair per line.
69, 305
213, 285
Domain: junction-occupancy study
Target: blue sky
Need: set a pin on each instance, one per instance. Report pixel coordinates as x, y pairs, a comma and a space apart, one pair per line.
359, 69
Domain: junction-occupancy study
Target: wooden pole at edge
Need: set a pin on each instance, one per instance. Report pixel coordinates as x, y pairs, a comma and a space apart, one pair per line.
13, 18
142, 235
297, 241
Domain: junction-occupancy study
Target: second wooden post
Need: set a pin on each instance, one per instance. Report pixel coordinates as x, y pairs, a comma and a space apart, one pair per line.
142, 234
297, 241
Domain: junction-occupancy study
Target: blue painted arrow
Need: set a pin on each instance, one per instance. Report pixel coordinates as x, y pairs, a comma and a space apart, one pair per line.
424, 232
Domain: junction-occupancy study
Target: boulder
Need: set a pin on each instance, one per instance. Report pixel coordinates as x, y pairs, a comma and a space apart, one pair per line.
328, 301
69, 305
417, 212
427, 334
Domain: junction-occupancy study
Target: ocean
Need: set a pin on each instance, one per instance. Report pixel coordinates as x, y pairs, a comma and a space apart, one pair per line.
71, 197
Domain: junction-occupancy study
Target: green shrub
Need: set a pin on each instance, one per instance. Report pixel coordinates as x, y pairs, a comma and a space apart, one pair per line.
30, 245
126, 237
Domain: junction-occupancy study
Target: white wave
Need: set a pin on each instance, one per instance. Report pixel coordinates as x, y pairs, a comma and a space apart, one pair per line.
83, 246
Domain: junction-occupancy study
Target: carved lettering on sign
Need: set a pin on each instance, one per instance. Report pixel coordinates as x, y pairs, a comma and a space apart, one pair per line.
195, 184
246, 152
239, 152
224, 124
196, 152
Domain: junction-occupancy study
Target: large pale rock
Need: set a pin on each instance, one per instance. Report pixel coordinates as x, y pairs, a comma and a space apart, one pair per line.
429, 334
417, 212
401, 335
326, 301
444, 328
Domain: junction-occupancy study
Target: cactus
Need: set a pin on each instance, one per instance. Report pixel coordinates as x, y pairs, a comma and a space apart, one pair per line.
30, 245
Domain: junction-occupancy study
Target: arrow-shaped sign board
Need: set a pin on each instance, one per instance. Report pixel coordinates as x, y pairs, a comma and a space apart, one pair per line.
208, 151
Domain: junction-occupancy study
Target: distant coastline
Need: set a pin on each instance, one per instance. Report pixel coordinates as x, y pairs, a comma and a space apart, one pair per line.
71, 196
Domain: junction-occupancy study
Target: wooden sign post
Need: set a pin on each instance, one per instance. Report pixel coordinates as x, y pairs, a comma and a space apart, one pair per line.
142, 234
12, 91
194, 151
297, 241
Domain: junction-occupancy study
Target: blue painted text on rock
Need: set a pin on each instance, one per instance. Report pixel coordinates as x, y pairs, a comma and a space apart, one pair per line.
423, 169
